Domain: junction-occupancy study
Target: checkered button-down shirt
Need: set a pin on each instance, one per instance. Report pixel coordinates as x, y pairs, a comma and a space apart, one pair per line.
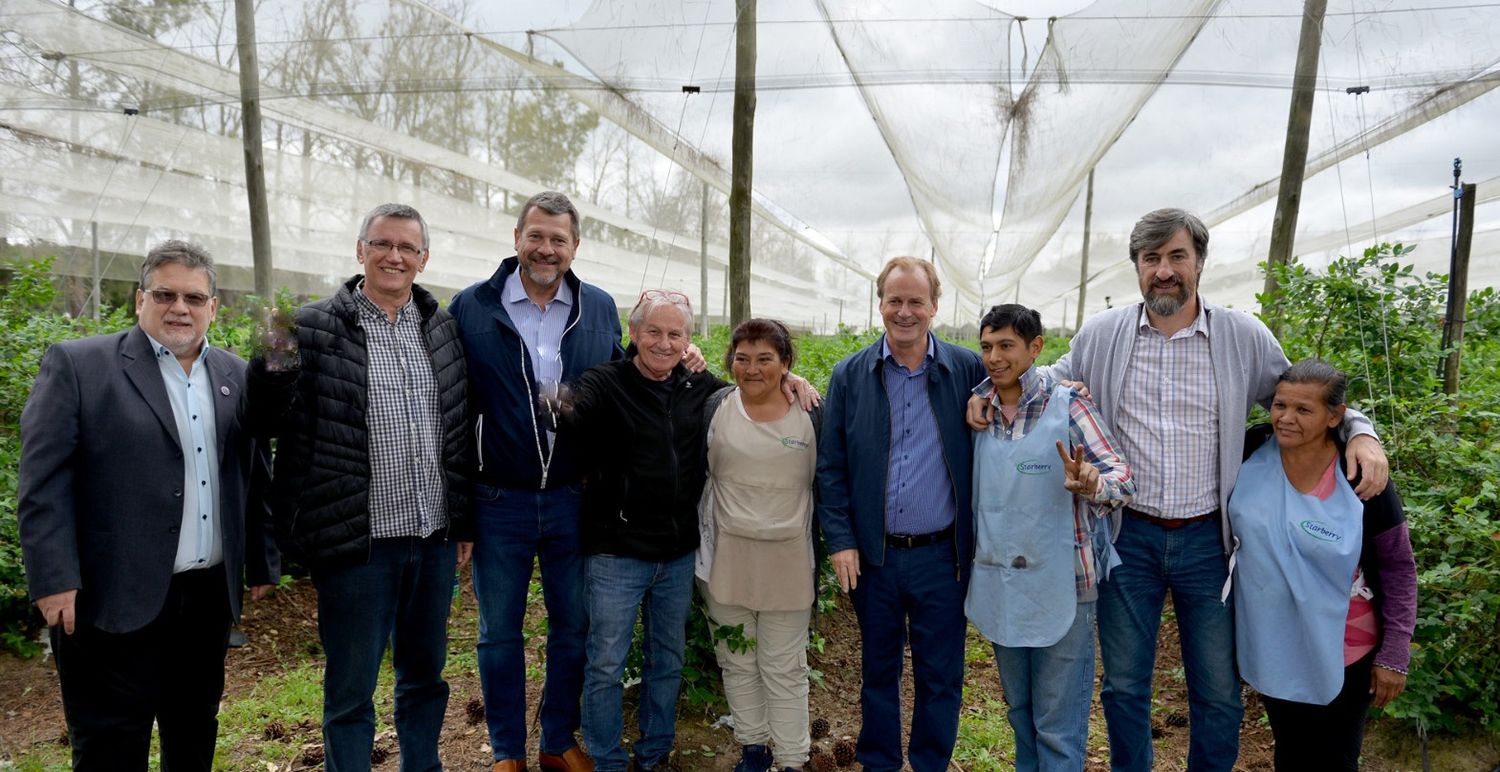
1116, 485
407, 493
1168, 420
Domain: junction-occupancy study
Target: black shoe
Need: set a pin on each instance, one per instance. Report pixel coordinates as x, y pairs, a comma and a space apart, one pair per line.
661, 765
237, 638
754, 758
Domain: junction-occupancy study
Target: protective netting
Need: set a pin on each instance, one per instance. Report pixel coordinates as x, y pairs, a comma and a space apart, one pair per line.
882, 128
344, 132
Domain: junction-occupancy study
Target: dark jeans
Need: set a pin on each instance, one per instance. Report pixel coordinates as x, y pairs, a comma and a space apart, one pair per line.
114, 685
1323, 737
401, 596
1189, 562
915, 592
515, 529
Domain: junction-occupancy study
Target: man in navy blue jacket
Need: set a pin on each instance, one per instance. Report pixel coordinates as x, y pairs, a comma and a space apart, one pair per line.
527, 330
894, 472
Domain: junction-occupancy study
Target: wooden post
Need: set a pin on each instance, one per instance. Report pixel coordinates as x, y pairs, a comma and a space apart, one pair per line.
1458, 291
1083, 267
255, 172
1294, 157
742, 147
703, 266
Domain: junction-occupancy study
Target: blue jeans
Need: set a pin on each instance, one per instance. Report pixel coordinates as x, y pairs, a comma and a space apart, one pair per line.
617, 587
514, 529
916, 591
1049, 690
401, 595
1190, 562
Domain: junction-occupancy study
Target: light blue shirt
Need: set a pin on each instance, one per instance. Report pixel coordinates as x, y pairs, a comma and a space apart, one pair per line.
918, 488
541, 329
199, 541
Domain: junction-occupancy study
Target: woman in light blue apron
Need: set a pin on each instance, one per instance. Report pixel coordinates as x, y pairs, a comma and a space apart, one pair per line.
1034, 585
1325, 585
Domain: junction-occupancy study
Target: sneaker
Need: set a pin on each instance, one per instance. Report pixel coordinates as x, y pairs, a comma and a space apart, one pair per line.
754, 758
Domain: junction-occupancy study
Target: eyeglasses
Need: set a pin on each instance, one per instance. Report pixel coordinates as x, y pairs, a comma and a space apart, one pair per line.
167, 297
381, 248
671, 296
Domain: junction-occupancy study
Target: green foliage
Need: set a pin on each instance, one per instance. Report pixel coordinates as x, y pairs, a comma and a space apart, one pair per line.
1381, 323
28, 324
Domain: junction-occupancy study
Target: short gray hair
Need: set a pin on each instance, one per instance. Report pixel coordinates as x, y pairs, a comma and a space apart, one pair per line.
1158, 227
185, 254
654, 299
553, 203
398, 211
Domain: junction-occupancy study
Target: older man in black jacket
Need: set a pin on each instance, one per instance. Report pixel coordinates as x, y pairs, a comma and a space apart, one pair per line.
371, 485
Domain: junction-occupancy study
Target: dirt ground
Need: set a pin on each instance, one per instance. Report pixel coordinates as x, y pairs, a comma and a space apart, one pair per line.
283, 629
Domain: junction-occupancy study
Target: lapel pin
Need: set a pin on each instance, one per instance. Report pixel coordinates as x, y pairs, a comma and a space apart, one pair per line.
224, 390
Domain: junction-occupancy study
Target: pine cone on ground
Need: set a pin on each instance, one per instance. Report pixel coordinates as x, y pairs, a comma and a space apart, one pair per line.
275, 730
843, 753
819, 728
474, 710
819, 761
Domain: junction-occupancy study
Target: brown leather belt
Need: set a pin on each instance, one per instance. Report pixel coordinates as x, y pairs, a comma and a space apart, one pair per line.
903, 541
1171, 523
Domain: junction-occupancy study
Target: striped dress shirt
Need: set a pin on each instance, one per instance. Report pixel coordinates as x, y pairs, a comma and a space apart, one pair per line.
918, 489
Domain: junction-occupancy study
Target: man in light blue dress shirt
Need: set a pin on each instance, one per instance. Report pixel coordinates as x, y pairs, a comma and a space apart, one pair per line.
139, 522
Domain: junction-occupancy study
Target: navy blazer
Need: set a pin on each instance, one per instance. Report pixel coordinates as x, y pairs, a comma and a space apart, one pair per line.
855, 447
100, 494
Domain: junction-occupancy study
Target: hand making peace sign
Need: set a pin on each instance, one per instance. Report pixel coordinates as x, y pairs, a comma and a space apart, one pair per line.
1081, 477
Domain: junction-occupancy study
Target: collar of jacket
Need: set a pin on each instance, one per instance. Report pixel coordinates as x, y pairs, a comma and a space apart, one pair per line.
343, 301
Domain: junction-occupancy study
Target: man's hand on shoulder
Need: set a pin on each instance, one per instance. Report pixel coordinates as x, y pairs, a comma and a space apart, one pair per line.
693, 359
57, 609
978, 413
798, 389
1365, 456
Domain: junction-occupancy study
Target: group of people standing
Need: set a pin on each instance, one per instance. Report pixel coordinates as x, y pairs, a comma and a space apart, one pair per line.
515, 429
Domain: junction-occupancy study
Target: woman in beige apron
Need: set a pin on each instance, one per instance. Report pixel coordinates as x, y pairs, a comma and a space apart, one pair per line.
755, 558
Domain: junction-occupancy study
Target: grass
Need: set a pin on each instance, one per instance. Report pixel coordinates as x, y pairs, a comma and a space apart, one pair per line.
985, 740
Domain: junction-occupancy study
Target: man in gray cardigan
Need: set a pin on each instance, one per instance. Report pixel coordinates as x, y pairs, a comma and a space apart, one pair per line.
1175, 378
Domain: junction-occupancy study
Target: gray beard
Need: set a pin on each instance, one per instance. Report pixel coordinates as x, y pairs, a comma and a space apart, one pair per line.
1166, 305
532, 275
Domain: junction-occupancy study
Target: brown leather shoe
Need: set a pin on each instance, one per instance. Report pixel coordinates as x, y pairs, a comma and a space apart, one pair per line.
510, 765
571, 760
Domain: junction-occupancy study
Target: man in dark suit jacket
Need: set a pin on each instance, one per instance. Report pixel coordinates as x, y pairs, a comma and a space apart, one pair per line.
137, 521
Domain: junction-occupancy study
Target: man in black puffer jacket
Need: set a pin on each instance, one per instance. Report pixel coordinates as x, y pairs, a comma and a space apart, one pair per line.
371, 487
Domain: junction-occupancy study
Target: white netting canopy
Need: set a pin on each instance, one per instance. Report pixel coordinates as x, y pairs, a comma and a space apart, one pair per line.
954, 130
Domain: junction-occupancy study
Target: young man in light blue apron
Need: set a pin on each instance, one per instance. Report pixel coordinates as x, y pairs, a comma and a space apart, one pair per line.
1043, 473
